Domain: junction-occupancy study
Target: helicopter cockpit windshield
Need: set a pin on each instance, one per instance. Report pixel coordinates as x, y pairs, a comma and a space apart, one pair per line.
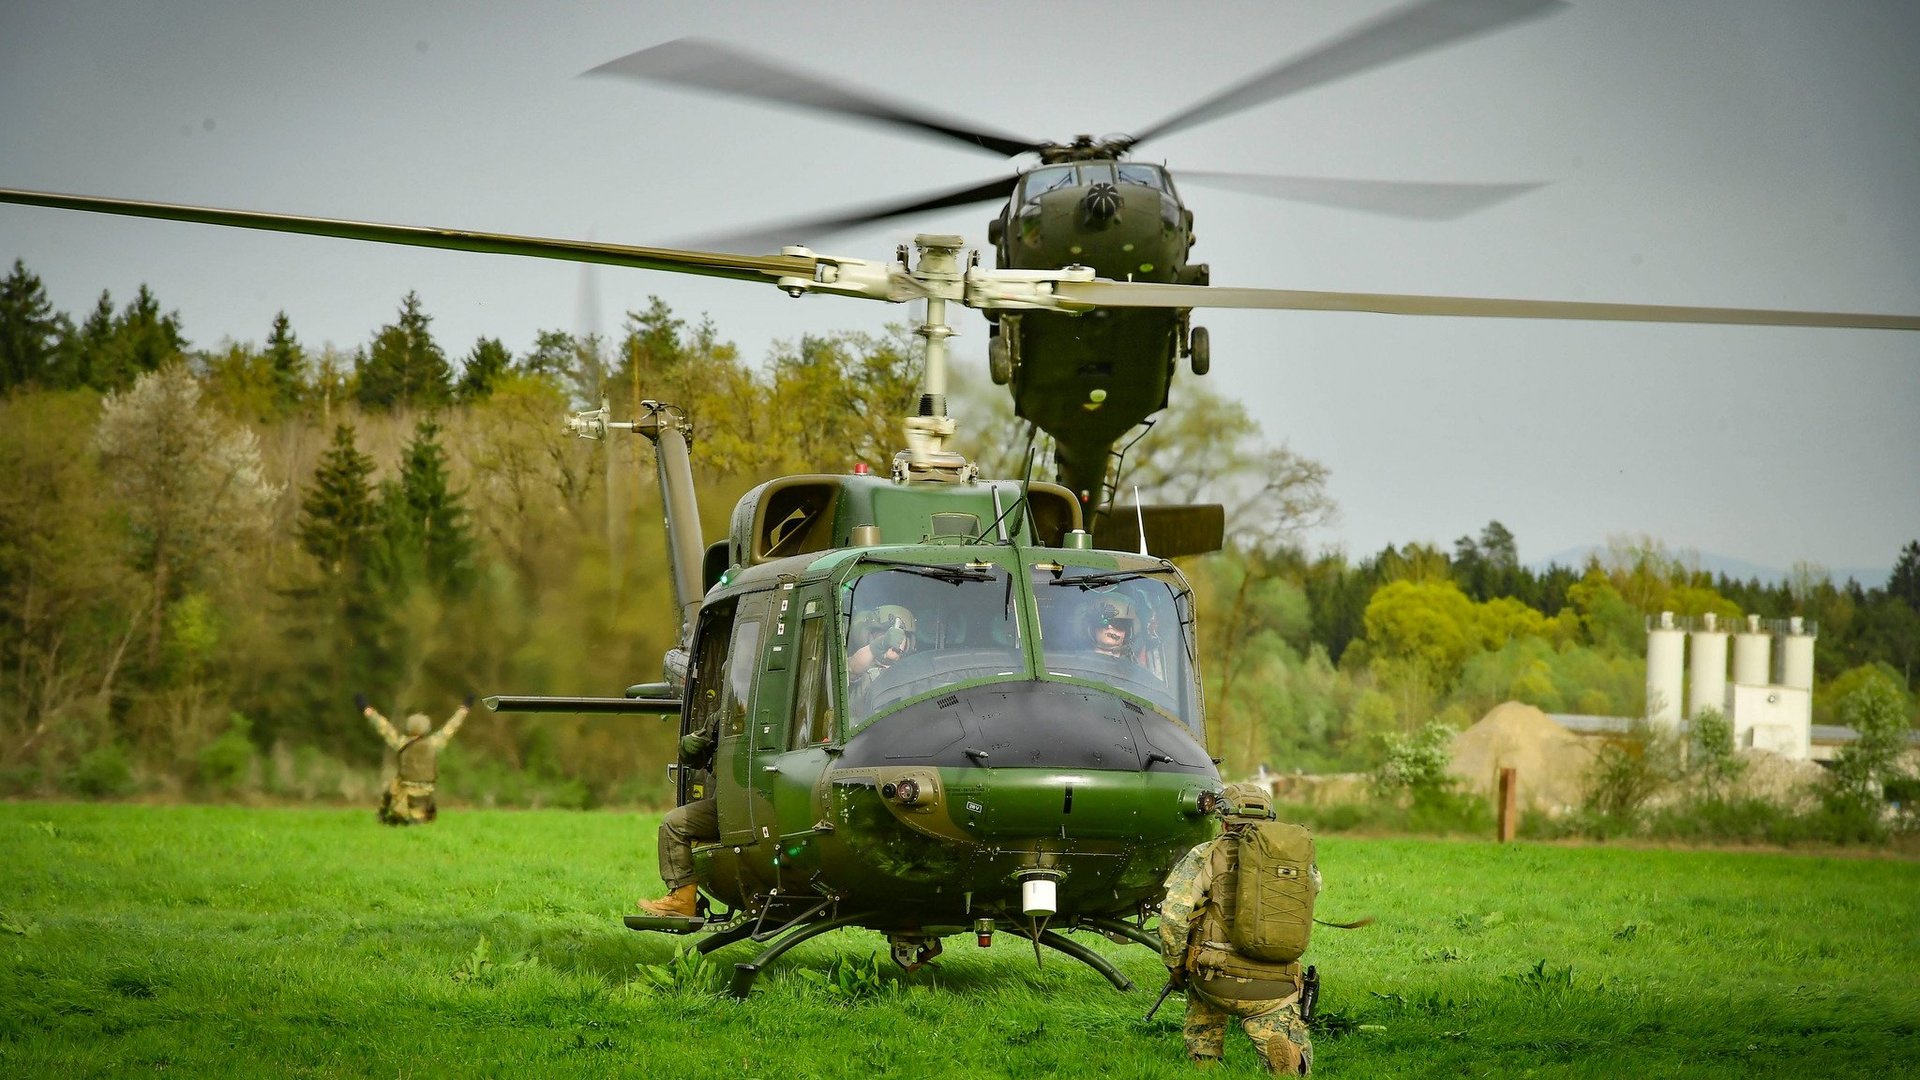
912, 628
1131, 630
1049, 178
1133, 172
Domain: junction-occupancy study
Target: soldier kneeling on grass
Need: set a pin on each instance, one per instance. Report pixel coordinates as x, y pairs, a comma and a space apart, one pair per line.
409, 796
1235, 921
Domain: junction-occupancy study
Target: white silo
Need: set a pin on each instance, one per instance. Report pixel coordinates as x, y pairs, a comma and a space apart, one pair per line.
1796, 655
1751, 658
1707, 668
1666, 648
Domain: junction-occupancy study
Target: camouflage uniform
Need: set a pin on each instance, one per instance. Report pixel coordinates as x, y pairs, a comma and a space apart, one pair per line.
688, 823
1195, 945
409, 796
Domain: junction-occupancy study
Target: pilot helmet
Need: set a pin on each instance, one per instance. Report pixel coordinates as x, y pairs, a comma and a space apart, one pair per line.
419, 724
894, 622
1112, 610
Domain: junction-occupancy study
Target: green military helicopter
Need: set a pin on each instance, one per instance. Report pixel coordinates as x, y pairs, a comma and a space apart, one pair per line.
1088, 382
1033, 759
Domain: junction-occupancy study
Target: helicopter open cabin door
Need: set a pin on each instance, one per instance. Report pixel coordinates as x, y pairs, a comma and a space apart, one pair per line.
769, 716
729, 655
794, 701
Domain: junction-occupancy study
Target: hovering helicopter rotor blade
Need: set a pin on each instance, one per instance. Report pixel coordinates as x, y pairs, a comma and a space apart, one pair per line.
709, 65
1099, 293
1394, 36
765, 268
773, 237
1395, 198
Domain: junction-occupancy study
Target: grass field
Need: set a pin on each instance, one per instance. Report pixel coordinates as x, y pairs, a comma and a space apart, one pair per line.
222, 941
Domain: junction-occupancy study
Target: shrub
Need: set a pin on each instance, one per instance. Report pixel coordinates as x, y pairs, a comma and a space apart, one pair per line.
1630, 769
223, 764
103, 772
1876, 711
1711, 759
1416, 764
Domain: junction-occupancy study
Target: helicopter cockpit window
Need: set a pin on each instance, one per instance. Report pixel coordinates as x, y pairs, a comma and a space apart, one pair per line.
1131, 630
1145, 175
1050, 178
916, 628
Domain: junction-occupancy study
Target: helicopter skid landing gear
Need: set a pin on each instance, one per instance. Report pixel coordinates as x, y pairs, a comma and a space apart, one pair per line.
1079, 952
1116, 930
664, 924
744, 974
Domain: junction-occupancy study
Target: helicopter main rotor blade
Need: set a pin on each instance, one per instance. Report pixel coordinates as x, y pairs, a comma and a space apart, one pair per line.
709, 65
1439, 201
764, 268
1394, 36
1097, 293
773, 237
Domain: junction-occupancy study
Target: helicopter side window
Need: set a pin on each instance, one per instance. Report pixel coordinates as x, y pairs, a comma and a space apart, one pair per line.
812, 712
741, 664
1144, 175
1050, 178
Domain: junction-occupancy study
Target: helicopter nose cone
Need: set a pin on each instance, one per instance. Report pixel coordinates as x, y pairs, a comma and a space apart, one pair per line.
1101, 204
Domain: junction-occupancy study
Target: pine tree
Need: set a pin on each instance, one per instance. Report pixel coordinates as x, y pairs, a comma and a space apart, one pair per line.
286, 364
337, 514
29, 330
483, 369
426, 533
141, 339
405, 368
1904, 585
82, 354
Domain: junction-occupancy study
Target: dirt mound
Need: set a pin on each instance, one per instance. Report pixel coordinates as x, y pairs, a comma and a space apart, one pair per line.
1549, 762
1779, 780
1333, 789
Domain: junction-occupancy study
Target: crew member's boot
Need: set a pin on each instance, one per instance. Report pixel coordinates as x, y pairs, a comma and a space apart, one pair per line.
681, 903
1284, 1058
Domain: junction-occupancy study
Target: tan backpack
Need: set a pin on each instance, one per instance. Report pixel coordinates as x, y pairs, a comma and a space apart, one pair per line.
1274, 892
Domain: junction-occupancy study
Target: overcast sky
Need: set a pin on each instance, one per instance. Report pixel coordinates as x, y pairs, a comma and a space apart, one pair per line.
1755, 153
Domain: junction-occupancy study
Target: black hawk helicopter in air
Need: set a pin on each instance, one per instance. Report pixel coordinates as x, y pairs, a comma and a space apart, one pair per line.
1006, 773
1089, 381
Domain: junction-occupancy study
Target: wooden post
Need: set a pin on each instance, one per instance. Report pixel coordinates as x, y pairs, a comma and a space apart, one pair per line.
1507, 798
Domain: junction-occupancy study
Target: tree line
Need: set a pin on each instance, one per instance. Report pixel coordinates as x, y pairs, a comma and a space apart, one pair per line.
209, 551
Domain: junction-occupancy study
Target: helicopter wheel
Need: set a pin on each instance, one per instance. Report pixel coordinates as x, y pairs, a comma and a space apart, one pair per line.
999, 360
1199, 356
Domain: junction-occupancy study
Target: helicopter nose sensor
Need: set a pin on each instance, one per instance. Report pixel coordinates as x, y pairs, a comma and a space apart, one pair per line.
1101, 204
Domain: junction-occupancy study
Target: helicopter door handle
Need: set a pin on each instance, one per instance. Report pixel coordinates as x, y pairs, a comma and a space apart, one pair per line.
769, 768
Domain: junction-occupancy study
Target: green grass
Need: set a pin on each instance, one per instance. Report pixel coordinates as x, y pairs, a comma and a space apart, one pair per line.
221, 941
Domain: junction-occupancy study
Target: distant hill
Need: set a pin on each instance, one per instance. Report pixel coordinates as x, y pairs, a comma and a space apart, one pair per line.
1869, 577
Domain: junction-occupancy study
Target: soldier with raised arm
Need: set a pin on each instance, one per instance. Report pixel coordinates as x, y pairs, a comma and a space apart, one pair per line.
409, 796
